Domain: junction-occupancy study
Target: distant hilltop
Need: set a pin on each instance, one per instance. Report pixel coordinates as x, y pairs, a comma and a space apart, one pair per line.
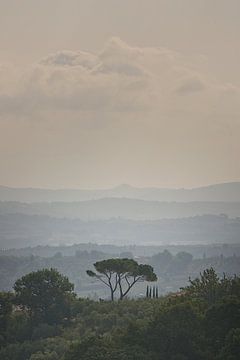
225, 192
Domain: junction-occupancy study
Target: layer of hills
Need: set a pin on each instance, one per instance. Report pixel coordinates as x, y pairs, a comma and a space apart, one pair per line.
122, 215
18, 230
122, 208
226, 192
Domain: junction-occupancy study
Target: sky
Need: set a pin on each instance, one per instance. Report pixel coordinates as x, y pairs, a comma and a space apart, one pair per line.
95, 93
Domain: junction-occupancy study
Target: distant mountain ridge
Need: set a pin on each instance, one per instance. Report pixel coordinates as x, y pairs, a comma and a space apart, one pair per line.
225, 192
125, 208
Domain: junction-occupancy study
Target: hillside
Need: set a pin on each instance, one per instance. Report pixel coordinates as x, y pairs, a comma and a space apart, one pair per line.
122, 208
20, 230
225, 192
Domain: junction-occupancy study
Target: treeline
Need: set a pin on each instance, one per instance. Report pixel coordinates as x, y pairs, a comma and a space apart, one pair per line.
197, 250
44, 320
173, 270
183, 263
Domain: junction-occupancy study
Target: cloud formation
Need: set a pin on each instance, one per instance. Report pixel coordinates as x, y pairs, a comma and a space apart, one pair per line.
145, 116
118, 78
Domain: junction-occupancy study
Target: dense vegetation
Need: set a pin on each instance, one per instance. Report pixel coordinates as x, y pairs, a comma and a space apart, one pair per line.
200, 322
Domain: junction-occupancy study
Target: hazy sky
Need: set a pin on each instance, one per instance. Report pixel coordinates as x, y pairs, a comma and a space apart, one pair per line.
94, 93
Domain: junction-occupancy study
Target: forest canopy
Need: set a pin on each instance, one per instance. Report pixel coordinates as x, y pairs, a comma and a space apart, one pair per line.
201, 322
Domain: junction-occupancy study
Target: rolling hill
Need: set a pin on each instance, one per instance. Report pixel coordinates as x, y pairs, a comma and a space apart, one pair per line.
226, 192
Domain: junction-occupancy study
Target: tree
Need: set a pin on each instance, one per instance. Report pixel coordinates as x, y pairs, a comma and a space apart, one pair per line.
6, 304
102, 348
231, 349
45, 356
172, 333
121, 274
181, 261
206, 288
220, 319
45, 294
162, 261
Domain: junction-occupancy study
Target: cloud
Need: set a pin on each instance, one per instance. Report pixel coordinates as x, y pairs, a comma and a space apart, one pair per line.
120, 78
71, 58
191, 85
120, 115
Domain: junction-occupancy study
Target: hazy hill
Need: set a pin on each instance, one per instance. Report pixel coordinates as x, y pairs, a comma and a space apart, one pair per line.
123, 208
229, 192
18, 230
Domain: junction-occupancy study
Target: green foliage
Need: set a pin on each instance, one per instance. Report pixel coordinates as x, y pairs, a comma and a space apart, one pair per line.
44, 356
6, 300
6, 307
174, 329
19, 327
45, 294
24, 350
202, 323
220, 319
210, 288
97, 348
231, 348
43, 331
6, 304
